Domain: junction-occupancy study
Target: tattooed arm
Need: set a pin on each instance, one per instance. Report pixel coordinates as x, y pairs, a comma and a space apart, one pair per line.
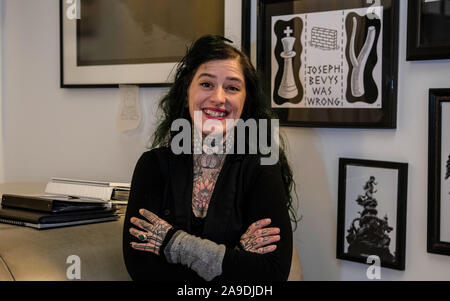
262, 200
151, 232
201, 255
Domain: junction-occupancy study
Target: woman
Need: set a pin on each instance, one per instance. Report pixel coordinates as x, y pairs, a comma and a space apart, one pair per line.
210, 215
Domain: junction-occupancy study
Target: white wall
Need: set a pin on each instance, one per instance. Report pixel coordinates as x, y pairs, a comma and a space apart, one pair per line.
50, 131
53, 132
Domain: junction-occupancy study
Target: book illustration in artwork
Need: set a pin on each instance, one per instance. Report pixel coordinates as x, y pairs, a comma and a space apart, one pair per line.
370, 236
287, 86
324, 38
361, 53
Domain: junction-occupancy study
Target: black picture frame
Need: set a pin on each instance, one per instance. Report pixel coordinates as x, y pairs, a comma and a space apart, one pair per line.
438, 228
143, 75
388, 180
425, 30
381, 114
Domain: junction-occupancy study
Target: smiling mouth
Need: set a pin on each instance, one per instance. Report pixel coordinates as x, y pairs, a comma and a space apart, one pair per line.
217, 114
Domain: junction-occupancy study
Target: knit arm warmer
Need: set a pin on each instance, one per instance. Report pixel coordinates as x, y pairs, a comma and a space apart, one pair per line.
201, 255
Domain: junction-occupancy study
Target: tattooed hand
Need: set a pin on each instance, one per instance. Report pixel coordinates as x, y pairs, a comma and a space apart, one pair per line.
152, 233
257, 239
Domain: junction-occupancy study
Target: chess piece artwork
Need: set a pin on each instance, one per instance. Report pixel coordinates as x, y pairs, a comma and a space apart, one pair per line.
287, 87
368, 234
361, 52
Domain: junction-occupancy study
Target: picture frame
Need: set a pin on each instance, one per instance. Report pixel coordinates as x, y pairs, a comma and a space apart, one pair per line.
87, 63
313, 78
425, 38
438, 228
372, 211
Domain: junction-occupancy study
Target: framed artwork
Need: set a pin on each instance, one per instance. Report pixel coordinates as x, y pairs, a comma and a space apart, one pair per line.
427, 37
106, 43
438, 238
372, 211
330, 63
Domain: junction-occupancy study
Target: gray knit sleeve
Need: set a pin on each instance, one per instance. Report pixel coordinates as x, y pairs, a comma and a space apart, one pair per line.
201, 255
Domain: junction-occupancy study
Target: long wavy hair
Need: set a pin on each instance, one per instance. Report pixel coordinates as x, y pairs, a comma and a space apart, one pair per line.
174, 104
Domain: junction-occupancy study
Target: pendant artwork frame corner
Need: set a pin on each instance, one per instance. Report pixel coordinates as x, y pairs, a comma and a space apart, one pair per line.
438, 220
353, 97
108, 71
381, 181
424, 20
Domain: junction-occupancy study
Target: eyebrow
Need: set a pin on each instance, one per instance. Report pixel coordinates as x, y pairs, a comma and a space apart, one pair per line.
232, 78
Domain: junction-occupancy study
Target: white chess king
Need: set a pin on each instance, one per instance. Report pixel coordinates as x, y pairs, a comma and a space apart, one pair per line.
288, 88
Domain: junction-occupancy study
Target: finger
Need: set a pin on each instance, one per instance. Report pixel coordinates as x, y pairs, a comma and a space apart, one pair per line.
267, 232
136, 233
264, 241
148, 247
267, 249
150, 216
258, 225
141, 224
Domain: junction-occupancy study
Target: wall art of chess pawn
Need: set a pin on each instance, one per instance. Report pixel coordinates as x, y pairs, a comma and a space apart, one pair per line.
370, 236
361, 53
288, 49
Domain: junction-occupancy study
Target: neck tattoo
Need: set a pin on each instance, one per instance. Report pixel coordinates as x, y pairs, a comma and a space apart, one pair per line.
207, 167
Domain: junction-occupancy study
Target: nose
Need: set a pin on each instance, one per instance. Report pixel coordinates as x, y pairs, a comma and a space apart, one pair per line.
218, 95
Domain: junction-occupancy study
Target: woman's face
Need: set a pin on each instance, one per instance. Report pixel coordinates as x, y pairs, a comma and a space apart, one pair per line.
217, 91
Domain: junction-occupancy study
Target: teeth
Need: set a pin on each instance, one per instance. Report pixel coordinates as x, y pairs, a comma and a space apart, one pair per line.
214, 113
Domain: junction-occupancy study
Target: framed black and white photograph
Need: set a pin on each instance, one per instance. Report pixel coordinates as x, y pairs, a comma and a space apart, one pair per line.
428, 34
439, 172
330, 63
105, 43
372, 211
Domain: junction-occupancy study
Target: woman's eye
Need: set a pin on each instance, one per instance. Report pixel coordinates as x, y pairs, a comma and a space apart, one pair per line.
206, 85
234, 89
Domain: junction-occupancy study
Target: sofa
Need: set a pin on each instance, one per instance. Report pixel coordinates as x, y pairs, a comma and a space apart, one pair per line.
27, 254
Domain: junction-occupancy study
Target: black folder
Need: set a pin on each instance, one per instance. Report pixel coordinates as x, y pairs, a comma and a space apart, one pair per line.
49, 204
44, 220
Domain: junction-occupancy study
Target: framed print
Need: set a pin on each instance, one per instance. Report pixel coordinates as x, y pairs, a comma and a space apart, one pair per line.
105, 43
438, 238
330, 63
372, 211
427, 37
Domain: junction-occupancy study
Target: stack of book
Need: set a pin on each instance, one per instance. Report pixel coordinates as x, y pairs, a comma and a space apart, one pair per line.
65, 203
117, 193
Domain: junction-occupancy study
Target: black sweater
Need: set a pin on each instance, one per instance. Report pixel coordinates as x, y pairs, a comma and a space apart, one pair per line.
245, 192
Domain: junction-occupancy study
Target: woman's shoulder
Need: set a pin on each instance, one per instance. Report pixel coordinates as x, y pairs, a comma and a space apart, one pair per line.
154, 157
260, 162
157, 153
254, 167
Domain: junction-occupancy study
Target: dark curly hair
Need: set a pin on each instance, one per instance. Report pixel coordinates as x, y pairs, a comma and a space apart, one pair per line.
173, 105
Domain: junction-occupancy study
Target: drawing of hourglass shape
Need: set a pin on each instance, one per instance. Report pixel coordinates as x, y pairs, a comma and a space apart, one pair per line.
287, 88
359, 63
